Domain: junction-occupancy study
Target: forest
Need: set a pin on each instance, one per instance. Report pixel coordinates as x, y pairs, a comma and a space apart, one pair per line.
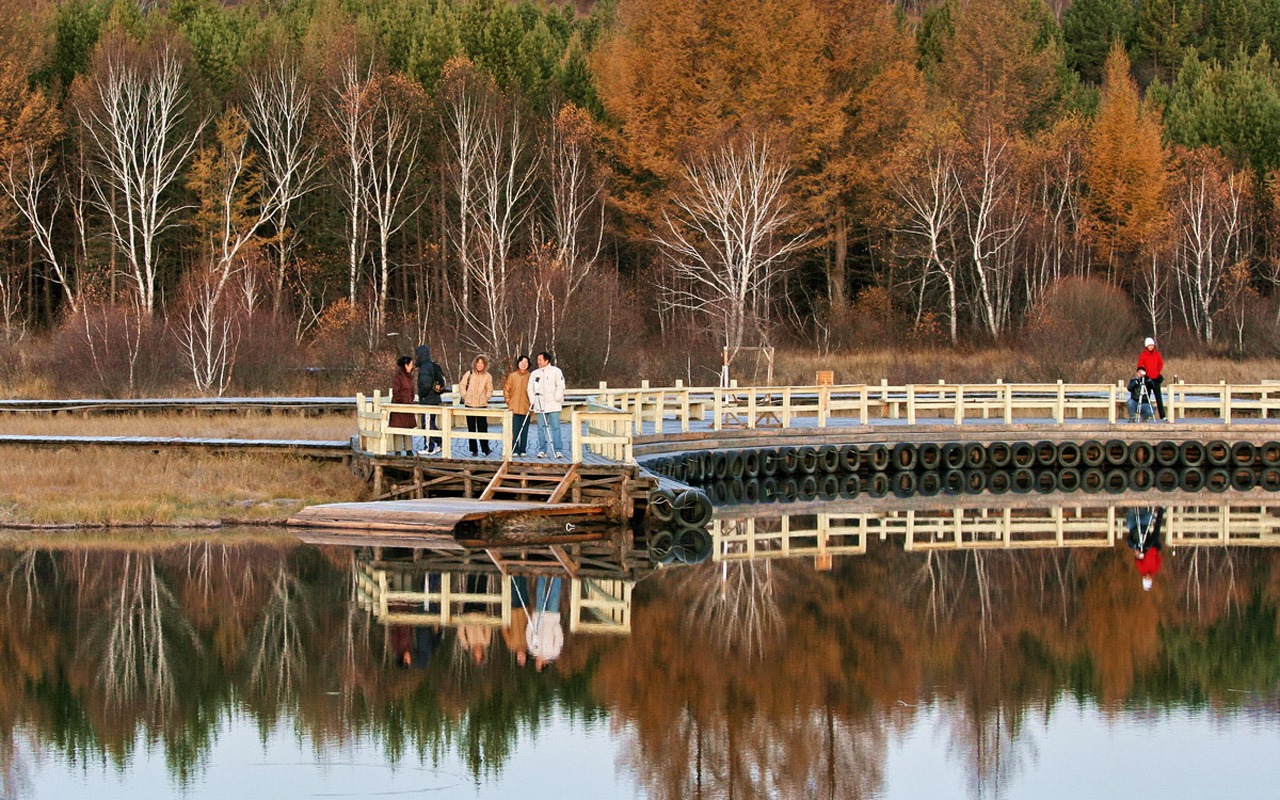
207, 197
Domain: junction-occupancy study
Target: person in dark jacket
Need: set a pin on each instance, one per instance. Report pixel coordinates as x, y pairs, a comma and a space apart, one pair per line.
402, 392
1142, 392
1144, 540
431, 383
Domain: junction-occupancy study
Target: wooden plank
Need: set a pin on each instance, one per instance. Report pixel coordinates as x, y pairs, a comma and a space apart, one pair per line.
565, 560
569, 477
487, 494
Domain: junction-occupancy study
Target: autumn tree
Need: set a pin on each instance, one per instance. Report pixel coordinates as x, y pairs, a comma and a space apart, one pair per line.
1125, 174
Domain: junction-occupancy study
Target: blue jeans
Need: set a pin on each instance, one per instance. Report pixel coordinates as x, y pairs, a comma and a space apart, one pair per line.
549, 431
548, 595
1133, 409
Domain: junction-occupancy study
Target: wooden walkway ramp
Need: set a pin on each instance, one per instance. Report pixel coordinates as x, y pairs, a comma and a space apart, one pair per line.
469, 520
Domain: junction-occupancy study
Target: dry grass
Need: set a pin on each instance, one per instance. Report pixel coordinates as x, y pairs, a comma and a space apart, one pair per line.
931, 366
229, 426
109, 487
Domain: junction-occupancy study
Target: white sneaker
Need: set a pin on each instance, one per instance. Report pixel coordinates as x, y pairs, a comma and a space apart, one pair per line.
559, 456
542, 455
424, 452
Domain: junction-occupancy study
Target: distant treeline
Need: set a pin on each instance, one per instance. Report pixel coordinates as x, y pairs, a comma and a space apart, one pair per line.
497, 177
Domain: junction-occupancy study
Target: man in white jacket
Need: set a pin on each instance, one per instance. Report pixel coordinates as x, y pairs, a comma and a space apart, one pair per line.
546, 398
544, 635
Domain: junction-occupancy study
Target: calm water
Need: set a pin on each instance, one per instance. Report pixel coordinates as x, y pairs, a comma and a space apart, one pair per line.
908, 666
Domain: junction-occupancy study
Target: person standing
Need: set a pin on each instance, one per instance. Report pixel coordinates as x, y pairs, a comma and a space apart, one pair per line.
431, 382
515, 391
1145, 542
1151, 360
546, 396
402, 392
543, 633
476, 388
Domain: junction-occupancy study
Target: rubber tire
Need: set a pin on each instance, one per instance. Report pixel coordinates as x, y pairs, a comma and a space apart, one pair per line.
953, 455
1167, 479
877, 484
851, 485
807, 460
693, 546
1092, 480
1191, 480
788, 460
1067, 480
1115, 481
1244, 454
905, 457
829, 459
1022, 480
1217, 453
1068, 455
850, 457
1167, 454
662, 505
1269, 479
770, 460
1243, 479
807, 489
929, 457
1269, 454
751, 463
1046, 481
999, 455
769, 490
1023, 455
975, 482
1191, 454
1141, 454
751, 491
1141, 479
975, 456
1116, 452
1046, 454
953, 482
693, 509
1092, 454
998, 481
905, 484
788, 489
930, 484
1217, 480
878, 457
661, 546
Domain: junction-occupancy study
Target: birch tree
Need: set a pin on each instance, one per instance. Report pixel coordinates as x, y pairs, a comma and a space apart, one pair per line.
347, 111
728, 235
467, 100
993, 219
133, 110
278, 111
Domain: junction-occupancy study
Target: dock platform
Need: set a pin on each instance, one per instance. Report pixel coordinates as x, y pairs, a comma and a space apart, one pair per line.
466, 520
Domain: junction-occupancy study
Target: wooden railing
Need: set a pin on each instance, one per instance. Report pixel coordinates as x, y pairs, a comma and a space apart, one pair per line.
377, 436
601, 430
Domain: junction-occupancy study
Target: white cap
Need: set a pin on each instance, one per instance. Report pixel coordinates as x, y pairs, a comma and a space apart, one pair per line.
1146, 583
1148, 342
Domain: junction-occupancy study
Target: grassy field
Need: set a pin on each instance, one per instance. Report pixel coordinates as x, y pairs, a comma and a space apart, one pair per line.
92, 487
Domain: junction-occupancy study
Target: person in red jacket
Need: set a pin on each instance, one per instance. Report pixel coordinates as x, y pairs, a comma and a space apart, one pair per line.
1151, 360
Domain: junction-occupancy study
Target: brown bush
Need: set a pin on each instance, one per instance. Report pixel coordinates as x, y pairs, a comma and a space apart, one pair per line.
1079, 325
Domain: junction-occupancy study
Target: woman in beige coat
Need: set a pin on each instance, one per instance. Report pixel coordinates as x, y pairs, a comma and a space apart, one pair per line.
476, 388
515, 390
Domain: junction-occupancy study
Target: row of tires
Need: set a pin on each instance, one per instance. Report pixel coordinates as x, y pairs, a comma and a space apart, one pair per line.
679, 545
808, 460
999, 481
688, 508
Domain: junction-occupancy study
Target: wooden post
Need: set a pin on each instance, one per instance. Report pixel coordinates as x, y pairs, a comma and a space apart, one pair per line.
446, 431
1060, 406
911, 404
959, 416
862, 404
1226, 402
575, 437
684, 407
1111, 404
717, 422
786, 406
824, 404
508, 435
1007, 391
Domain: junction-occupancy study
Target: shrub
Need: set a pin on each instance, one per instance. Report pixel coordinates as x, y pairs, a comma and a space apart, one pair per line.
1078, 325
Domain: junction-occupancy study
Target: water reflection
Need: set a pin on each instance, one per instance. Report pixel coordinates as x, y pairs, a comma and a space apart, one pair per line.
791, 663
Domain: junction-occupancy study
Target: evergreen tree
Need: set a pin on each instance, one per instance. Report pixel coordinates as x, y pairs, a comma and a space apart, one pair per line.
1089, 27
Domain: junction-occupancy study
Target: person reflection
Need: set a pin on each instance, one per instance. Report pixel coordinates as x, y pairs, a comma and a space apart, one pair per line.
1144, 539
514, 634
544, 635
474, 639
414, 646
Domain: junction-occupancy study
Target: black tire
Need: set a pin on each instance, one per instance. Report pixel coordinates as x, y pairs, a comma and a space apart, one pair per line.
737, 491
788, 460
953, 482
807, 460
877, 484
1217, 453
1141, 479
1167, 454
1067, 480
1167, 479
662, 504
1217, 480
1022, 480
1243, 454
929, 456
851, 485
751, 491
905, 457
1068, 455
807, 488
737, 464
1023, 455
1117, 452
770, 460
829, 488
877, 457
975, 456
1116, 482
905, 484
679, 471
693, 545
850, 457
930, 484
769, 490
999, 455
693, 509
751, 464
1141, 454
719, 466
1243, 479
1191, 480
1046, 481
1046, 454
788, 489
1269, 479
999, 482
1269, 454
1191, 454
953, 455
1092, 480
975, 482
1092, 454
718, 492
829, 459
661, 546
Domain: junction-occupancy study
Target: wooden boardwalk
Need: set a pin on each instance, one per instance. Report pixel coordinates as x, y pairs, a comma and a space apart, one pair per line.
323, 449
479, 521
